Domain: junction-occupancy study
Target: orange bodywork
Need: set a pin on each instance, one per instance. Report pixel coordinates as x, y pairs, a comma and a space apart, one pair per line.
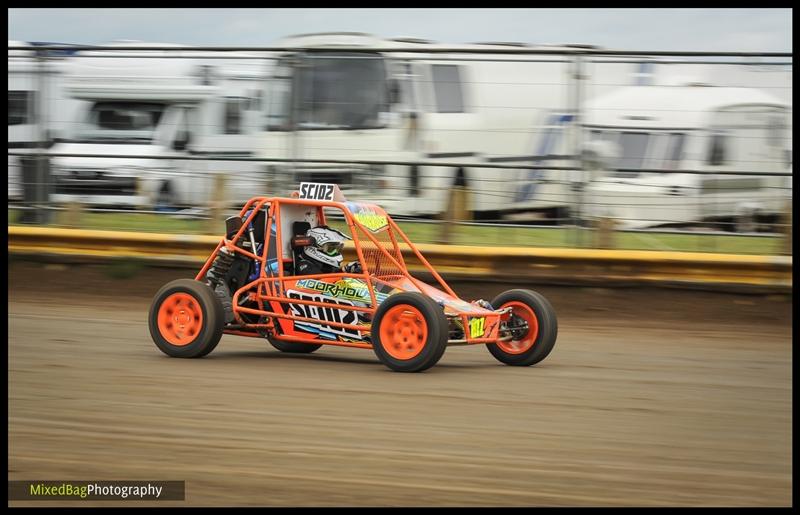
336, 308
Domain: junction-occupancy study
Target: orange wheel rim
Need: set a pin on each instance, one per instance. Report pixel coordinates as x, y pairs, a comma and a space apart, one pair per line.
180, 319
404, 331
527, 340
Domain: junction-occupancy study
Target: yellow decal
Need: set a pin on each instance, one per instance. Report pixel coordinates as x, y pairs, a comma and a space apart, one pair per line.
372, 221
477, 326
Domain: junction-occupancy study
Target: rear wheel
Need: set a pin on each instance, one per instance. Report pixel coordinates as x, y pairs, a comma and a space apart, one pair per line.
186, 319
290, 347
409, 332
533, 325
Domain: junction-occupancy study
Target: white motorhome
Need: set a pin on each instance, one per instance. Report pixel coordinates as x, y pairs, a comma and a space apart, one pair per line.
38, 112
660, 131
181, 106
392, 105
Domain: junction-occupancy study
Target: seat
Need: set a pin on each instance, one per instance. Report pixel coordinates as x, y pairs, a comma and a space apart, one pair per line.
299, 239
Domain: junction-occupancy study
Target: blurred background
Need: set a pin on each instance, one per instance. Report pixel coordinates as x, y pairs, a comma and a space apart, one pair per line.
566, 141
585, 142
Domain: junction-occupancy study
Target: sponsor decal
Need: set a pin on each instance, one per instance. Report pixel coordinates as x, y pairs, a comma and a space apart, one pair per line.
341, 289
371, 220
324, 314
347, 288
477, 327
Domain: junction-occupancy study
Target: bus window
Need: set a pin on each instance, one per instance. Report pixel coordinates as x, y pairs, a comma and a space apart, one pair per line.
716, 154
776, 131
20, 105
674, 151
407, 97
447, 87
633, 146
657, 150
342, 91
233, 116
280, 97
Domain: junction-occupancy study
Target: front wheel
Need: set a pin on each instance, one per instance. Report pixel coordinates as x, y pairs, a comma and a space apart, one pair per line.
409, 332
186, 319
533, 327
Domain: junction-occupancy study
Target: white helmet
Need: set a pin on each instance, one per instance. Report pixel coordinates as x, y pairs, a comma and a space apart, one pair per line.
327, 247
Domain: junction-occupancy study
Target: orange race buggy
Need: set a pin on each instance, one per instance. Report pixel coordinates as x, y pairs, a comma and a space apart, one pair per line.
247, 288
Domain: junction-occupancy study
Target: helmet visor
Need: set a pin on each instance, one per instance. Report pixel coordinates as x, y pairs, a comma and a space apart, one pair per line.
332, 248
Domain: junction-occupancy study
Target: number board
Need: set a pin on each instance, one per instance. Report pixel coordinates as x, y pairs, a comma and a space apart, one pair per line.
317, 191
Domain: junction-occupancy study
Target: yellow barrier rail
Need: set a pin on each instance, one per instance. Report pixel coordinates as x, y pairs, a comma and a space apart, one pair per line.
523, 265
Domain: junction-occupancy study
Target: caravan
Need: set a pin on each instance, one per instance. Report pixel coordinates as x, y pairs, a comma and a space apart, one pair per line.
149, 121
770, 76
689, 154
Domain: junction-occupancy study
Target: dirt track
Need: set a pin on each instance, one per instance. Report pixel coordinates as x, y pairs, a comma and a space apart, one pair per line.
649, 398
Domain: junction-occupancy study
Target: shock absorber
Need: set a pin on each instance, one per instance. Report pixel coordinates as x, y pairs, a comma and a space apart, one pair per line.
222, 263
216, 278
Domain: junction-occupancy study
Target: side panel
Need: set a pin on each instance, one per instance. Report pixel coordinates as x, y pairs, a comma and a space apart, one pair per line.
325, 300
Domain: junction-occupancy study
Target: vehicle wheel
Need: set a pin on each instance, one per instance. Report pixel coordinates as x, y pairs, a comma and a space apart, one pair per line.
294, 347
409, 332
537, 328
186, 319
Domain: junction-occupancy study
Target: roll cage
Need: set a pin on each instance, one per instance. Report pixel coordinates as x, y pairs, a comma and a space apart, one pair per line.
376, 240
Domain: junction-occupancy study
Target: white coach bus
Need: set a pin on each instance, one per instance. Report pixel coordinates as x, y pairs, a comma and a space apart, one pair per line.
391, 105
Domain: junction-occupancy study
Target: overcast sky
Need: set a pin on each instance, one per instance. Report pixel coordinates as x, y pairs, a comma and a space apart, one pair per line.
746, 30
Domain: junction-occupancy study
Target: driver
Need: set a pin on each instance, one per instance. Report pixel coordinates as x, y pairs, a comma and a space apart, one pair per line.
324, 254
